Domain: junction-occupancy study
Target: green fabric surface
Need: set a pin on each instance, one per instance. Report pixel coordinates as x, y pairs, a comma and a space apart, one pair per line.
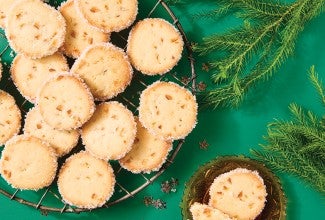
227, 131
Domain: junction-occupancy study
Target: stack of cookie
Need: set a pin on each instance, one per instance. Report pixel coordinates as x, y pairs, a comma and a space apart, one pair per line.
64, 99
238, 194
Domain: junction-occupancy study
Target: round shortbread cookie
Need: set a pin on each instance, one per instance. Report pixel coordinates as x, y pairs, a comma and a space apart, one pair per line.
10, 117
79, 33
108, 16
28, 163
110, 132
148, 152
204, 212
154, 46
65, 102
62, 141
4, 9
86, 181
239, 190
168, 110
105, 68
34, 28
30, 74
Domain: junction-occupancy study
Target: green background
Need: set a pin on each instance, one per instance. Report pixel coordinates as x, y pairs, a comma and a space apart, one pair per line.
227, 131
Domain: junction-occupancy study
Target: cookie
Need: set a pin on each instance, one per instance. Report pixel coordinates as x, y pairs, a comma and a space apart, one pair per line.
34, 28
28, 163
110, 133
239, 190
65, 102
154, 46
106, 70
62, 141
4, 8
79, 33
30, 74
85, 181
168, 110
204, 212
108, 16
10, 117
148, 152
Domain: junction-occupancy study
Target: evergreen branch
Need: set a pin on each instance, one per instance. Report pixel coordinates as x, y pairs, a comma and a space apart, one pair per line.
265, 7
313, 119
297, 146
263, 72
174, 2
227, 42
221, 97
262, 6
215, 13
313, 9
226, 96
264, 69
297, 113
262, 33
271, 39
258, 10
317, 83
297, 133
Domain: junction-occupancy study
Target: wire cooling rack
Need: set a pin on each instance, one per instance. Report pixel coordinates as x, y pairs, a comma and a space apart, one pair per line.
127, 184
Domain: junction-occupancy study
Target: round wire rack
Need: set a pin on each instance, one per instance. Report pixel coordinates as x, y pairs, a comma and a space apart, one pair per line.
127, 184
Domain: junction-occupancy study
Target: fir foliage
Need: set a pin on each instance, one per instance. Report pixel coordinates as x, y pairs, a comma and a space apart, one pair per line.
254, 51
298, 146
174, 2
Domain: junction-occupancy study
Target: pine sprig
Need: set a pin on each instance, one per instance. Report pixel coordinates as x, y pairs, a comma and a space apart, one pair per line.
215, 13
317, 84
174, 2
298, 146
253, 52
263, 7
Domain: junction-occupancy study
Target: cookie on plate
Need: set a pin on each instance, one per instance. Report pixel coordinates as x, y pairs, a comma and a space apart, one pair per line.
204, 212
148, 152
110, 132
238, 190
86, 181
108, 16
168, 110
65, 102
34, 28
154, 46
30, 74
79, 33
4, 8
28, 163
10, 117
62, 141
105, 68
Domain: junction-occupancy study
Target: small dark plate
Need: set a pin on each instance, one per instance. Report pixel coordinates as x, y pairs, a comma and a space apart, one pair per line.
197, 188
